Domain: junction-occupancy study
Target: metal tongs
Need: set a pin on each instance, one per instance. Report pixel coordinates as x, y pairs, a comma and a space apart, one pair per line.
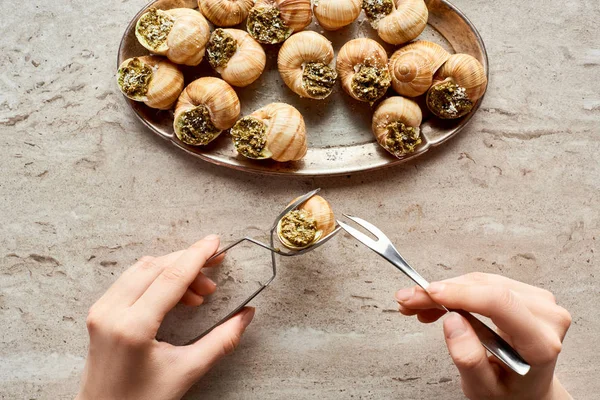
274, 250
488, 338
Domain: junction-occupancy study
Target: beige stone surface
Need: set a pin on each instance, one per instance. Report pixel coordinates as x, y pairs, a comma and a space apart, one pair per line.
86, 190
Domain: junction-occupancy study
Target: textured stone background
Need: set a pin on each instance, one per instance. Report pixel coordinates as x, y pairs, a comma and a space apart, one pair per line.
86, 189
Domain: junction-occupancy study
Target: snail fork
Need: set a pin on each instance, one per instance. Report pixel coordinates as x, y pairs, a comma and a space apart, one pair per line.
488, 338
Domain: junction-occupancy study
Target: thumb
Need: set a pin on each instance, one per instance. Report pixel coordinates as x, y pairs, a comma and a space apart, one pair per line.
201, 356
470, 357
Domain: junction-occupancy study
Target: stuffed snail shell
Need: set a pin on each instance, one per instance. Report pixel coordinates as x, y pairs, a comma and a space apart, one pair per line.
206, 107
180, 34
276, 131
396, 125
235, 55
457, 86
153, 80
335, 14
305, 64
397, 21
273, 21
363, 70
307, 224
225, 12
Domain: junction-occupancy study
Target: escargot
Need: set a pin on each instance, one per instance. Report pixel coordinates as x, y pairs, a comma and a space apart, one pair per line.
363, 70
396, 125
397, 21
276, 131
305, 64
307, 224
457, 86
273, 21
180, 34
225, 12
206, 107
236, 56
335, 14
153, 80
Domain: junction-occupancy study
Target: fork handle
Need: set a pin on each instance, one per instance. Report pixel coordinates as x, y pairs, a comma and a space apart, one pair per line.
495, 344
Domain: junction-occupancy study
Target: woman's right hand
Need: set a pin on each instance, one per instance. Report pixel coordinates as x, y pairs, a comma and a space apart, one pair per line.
526, 316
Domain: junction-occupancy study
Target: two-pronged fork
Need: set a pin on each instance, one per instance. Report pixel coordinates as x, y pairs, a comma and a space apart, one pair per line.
490, 339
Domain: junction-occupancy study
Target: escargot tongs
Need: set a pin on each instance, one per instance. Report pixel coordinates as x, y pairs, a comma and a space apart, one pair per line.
488, 338
274, 250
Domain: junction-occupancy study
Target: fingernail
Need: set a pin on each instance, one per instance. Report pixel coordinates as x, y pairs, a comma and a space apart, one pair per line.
436, 287
247, 316
405, 294
455, 326
211, 237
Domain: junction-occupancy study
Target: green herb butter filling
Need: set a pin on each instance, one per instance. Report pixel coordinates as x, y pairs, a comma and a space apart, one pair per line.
401, 139
266, 26
318, 79
134, 78
250, 137
194, 127
377, 9
370, 83
448, 100
298, 227
154, 27
221, 47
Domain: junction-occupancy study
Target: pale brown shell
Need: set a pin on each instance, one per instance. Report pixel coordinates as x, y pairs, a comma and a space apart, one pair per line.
405, 23
434, 52
214, 93
166, 83
299, 49
335, 14
297, 14
225, 12
357, 52
187, 39
321, 211
247, 63
286, 131
393, 109
411, 73
467, 72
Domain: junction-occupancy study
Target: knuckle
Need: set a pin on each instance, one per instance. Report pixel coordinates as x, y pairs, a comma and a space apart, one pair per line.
93, 320
468, 362
564, 317
505, 298
479, 277
173, 274
549, 295
147, 262
230, 344
125, 334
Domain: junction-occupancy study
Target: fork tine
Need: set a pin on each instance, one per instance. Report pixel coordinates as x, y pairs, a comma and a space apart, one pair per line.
358, 235
295, 204
370, 227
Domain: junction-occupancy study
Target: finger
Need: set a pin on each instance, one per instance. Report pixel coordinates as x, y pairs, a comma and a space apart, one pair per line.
215, 261
409, 312
169, 287
199, 357
429, 316
478, 376
135, 280
203, 285
507, 311
190, 298
416, 299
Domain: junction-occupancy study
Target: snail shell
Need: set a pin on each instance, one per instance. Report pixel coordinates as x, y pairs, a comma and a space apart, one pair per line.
434, 52
225, 12
362, 67
236, 56
397, 21
180, 34
273, 21
307, 224
276, 131
411, 73
305, 64
396, 125
457, 86
153, 80
206, 107
335, 14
